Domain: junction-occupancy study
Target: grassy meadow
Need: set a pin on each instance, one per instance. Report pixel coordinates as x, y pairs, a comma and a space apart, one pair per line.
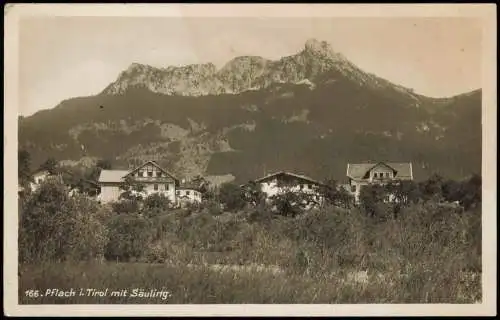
428, 253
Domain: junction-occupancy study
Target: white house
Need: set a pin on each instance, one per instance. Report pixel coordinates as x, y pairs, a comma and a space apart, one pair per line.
381, 173
150, 175
281, 182
39, 176
188, 192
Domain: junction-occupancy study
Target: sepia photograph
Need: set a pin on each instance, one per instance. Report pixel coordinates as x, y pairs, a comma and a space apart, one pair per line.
197, 156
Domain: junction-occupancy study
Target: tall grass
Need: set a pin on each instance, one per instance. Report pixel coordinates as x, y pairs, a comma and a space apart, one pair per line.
204, 285
429, 253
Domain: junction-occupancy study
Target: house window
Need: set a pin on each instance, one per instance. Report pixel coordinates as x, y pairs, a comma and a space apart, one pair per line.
177, 192
166, 187
301, 186
40, 180
309, 186
388, 174
353, 188
158, 174
187, 193
155, 186
150, 173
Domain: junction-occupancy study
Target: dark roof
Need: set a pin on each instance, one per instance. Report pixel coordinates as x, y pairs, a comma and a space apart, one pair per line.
285, 173
402, 170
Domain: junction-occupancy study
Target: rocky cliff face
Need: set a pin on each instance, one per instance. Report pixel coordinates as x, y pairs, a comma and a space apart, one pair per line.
242, 73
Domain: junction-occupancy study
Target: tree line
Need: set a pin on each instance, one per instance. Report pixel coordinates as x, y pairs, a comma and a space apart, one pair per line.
465, 193
374, 199
82, 179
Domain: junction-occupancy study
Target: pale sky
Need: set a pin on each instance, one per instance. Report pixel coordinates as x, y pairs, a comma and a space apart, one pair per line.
65, 57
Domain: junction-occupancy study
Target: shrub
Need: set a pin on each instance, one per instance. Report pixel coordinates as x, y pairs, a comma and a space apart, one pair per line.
131, 190
262, 214
471, 192
157, 201
253, 193
232, 197
89, 236
432, 188
192, 206
371, 199
125, 206
56, 227
24, 167
451, 190
334, 194
129, 234
50, 165
211, 207
290, 203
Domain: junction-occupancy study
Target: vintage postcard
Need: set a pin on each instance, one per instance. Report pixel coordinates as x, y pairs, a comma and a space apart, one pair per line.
250, 159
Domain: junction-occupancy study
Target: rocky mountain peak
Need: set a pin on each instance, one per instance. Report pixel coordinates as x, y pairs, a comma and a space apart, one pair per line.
136, 67
316, 46
321, 49
240, 73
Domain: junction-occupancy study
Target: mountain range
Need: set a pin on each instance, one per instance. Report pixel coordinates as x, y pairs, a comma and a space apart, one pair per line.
311, 113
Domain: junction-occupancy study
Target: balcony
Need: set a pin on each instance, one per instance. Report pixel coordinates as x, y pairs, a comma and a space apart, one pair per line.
381, 180
153, 179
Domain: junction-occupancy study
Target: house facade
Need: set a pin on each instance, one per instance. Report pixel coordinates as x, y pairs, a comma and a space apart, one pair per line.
38, 177
281, 182
188, 192
150, 175
381, 173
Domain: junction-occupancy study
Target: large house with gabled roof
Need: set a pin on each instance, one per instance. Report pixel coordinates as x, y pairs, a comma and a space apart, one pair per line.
283, 181
154, 178
362, 174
